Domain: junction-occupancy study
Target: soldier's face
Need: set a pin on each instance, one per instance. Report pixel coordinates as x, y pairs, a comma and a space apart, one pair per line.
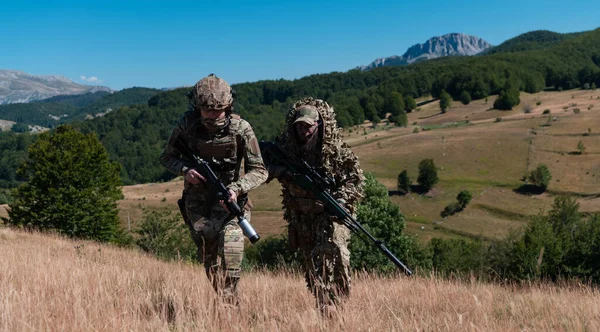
305, 130
208, 113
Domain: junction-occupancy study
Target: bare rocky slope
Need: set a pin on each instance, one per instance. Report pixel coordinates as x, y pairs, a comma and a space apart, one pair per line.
20, 87
447, 45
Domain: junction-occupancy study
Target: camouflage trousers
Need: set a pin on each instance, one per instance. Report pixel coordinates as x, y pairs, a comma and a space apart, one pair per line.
323, 246
220, 243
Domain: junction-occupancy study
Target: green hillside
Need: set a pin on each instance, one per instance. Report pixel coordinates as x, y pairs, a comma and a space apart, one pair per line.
534, 40
65, 109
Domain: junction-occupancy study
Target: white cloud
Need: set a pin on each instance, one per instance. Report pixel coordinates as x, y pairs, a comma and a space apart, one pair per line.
91, 79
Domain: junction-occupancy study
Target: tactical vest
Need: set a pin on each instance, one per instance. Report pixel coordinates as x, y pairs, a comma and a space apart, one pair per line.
222, 150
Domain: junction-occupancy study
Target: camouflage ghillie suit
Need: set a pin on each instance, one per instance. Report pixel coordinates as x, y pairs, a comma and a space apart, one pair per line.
322, 241
224, 143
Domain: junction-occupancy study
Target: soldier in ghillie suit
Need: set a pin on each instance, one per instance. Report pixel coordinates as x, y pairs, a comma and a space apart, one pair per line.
213, 133
311, 134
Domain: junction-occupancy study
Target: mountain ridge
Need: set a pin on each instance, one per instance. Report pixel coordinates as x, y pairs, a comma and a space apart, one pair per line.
451, 44
21, 87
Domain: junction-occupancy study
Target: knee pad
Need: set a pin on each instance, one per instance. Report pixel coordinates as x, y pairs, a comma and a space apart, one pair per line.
233, 249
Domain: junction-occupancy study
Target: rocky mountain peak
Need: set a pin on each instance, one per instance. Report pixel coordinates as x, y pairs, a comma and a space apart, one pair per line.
436, 47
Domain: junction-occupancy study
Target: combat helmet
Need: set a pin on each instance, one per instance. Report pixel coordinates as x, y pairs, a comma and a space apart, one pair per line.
212, 92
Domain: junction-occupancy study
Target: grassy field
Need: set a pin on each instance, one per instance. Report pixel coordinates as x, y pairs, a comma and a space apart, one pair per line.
485, 156
53, 284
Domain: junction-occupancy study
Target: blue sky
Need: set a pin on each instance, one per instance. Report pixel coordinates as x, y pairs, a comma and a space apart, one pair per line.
159, 44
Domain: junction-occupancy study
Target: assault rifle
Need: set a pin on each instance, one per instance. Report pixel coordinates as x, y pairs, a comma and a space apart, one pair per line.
307, 177
219, 189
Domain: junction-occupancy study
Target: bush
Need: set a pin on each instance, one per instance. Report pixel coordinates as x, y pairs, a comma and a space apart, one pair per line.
404, 182
271, 252
540, 176
376, 120
72, 187
445, 101
576, 110
465, 97
165, 236
527, 109
546, 111
507, 99
464, 198
457, 256
451, 209
539, 102
409, 104
19, 128
560, 245
383, 219
580, 147
427, 174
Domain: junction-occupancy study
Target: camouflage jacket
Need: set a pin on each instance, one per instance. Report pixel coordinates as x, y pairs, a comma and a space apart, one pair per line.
332, 157
224, 149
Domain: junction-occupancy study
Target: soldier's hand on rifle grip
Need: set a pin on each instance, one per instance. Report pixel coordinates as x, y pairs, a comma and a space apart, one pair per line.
232, 198
193, 177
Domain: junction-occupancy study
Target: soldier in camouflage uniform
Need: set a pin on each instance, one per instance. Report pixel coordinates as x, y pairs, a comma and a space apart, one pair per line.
223, 139
311, 133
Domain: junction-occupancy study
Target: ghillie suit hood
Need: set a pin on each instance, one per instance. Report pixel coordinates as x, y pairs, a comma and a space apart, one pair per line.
331, 157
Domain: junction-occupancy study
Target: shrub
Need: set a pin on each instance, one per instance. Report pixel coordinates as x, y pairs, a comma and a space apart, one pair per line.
383, 219
427, 174
271, 252
540, 176
19, 128
580, 147
164, 235
451, 209
539, 102
445, 101
576, 110
508, 98
498, 119
72, 187
527, 109
465, 97
464, 198
451, 256
376, 120
404, 182
409, 104
560, 245
546, 111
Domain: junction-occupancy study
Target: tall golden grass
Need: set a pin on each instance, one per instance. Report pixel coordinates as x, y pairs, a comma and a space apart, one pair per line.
48, 283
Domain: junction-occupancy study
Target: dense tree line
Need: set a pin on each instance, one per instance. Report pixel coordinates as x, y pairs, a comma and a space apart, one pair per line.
58, 110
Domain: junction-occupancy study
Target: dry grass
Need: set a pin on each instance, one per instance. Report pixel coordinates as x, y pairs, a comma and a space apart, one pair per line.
52, 284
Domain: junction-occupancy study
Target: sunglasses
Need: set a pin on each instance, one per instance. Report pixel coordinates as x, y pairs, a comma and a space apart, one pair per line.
208, 110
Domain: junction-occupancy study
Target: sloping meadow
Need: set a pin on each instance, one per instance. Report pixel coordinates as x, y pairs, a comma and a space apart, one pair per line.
53, 284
